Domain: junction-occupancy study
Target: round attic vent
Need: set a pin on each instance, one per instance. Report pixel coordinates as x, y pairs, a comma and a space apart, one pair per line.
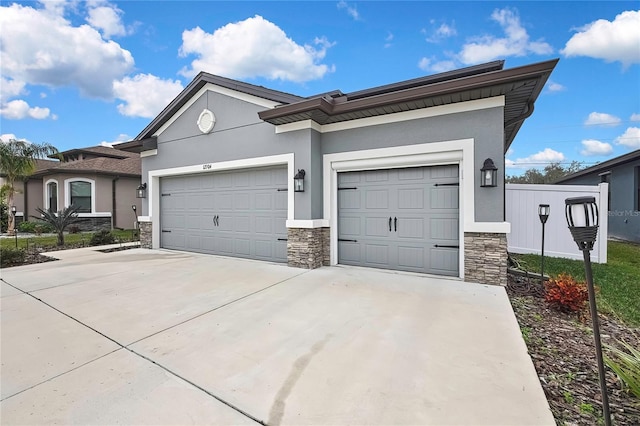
206, 121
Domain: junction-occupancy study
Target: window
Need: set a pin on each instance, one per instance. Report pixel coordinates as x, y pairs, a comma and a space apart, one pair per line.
81, 195
52, 196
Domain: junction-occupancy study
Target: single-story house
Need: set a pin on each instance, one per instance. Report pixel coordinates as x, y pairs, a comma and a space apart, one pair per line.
623, 176
391, 175
101, 180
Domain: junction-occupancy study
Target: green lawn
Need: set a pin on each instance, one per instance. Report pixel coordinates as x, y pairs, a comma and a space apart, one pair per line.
52, 240
618, 279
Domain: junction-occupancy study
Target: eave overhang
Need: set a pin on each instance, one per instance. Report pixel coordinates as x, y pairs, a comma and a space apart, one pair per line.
520, 86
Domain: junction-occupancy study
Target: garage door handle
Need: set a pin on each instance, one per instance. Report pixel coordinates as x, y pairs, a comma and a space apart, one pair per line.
395, 224
164, 230
215, 220
389, 223
446, 246
348, 241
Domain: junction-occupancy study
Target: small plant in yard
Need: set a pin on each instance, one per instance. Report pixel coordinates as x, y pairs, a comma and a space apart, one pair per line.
626, 364
74, 229
11, 256
568, 397
101, 238
587, 408
60, 220
565, 293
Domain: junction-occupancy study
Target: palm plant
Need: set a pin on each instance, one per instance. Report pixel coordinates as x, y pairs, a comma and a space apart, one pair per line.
626, 364
59, 220
17, 161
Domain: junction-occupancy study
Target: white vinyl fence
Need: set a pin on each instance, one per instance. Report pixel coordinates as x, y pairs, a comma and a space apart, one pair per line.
526, 230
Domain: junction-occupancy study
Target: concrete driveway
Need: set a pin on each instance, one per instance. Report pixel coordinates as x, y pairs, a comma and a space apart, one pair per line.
158, 337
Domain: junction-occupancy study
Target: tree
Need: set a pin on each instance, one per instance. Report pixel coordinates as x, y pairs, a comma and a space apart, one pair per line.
59, 220
550, 174
18, 161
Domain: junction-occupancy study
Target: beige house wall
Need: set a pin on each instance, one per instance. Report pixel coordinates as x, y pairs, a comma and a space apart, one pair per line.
125, 198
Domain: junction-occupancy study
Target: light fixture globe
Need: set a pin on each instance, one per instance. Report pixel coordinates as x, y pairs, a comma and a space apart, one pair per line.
582, 219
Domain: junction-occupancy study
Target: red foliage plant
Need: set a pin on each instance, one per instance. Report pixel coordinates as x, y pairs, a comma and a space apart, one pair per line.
565, 293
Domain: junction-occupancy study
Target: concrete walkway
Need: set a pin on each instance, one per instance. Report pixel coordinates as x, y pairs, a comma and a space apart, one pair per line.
159, 337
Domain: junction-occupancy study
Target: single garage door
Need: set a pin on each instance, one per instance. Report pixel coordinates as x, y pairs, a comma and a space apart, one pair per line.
238, 213
403, 219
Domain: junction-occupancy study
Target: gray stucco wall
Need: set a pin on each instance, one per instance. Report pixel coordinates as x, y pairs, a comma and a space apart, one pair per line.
484, 126
240, 134
623, 215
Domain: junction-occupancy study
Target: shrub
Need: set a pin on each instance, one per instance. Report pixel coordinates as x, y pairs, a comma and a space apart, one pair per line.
74, 229
626, 364
35, 227
101, 238
565, 293
58, 221
11, 256
27, 227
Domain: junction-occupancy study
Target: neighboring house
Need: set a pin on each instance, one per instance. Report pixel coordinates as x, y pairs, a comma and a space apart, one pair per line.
102, 181
392, 173
623, 176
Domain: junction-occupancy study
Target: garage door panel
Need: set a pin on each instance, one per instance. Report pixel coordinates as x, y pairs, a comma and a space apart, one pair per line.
444, 197
411, 257
250, 213
408, 227
411, 198
423, 205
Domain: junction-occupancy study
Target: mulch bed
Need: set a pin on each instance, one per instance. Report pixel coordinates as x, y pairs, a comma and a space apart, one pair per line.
35, 255
562, 348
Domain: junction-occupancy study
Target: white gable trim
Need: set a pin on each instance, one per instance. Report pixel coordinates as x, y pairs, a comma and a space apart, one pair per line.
493, 102
266, 103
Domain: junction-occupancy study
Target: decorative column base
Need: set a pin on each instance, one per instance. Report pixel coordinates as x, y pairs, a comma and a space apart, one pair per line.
485, 258
145, 234
305, 247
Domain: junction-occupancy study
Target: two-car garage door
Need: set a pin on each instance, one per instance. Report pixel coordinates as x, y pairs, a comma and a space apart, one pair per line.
403, 219
236, 213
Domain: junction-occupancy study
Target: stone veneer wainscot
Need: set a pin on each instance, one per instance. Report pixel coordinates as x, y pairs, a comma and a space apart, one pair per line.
485, 258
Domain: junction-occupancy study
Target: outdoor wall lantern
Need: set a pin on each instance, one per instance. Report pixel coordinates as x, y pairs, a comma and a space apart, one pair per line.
13, 210
141, 191
488, 174
543, 213
582, 218
298, 181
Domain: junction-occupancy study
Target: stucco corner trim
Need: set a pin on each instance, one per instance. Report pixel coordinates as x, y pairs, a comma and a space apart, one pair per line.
307, 224
144, 218
488, 227
149, 153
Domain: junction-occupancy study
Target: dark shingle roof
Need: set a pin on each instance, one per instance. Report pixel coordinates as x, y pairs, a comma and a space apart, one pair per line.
111, 161
604, 166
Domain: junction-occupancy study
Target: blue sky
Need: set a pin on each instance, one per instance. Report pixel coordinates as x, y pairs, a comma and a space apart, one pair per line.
78, 74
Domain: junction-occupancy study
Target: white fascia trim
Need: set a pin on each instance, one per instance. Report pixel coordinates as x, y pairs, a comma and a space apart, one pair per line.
307, 224
479, 104
67, 193
149, 153
45, 193
153, 182
223, 91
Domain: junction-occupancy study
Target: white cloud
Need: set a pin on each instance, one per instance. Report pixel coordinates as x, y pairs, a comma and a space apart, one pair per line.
10, 88
595, 147
122, 137
539, 159
602, 119
554, 87
351, 10
634, 117
39, 46
630, 138
144, 94
516, 42
388, 39
427, 64
616, 40
6, 137
252, 48
108, 19
19, 109
442, 32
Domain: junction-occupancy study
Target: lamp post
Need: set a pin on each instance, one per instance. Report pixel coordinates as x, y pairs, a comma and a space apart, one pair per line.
15, 225
135, 223
582, 218
543, 213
